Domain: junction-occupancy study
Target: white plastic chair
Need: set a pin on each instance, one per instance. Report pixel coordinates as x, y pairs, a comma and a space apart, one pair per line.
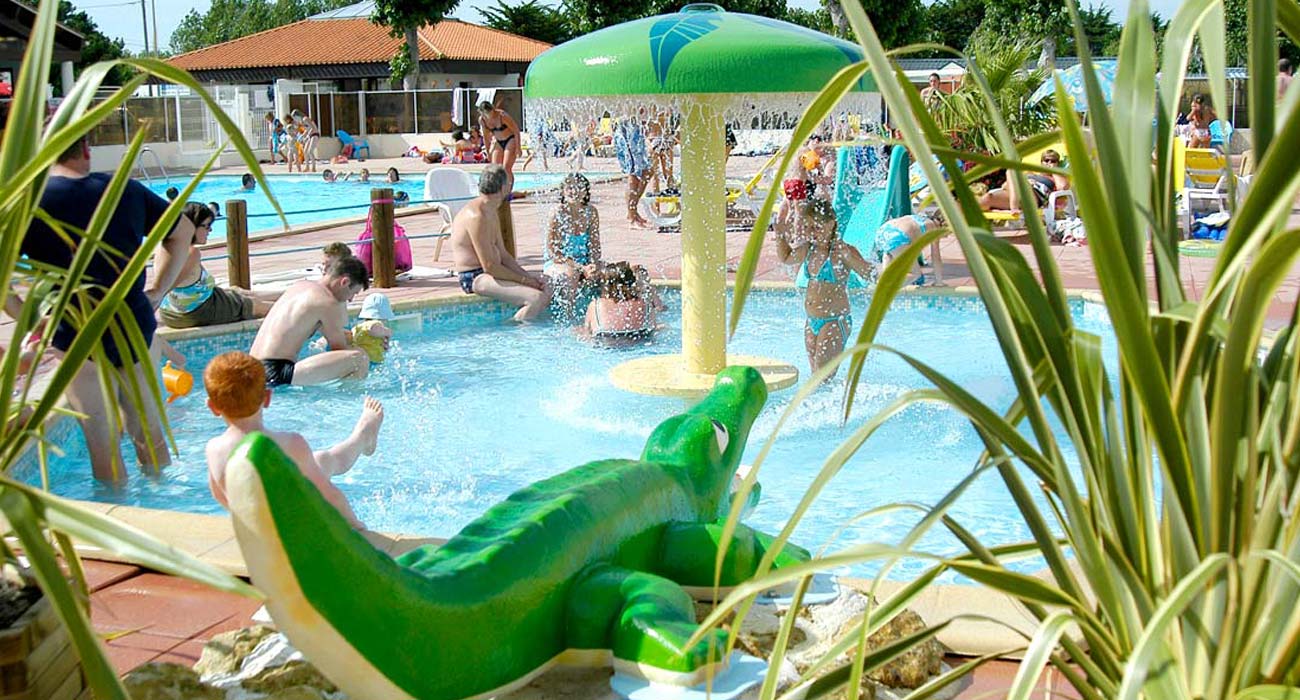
448, 189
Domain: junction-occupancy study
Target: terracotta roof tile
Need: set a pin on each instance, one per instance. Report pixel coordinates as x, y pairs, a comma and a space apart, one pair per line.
313, 42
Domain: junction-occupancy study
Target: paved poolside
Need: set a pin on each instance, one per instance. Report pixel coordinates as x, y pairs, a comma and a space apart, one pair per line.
153, 617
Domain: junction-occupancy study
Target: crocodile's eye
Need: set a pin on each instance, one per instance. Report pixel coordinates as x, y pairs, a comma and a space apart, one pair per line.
720, 431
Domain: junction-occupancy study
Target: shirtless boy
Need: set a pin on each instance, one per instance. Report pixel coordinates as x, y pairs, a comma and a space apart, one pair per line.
235, 392
480, 256
306, 307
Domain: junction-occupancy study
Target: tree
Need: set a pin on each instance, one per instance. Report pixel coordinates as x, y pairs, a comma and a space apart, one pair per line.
818, 19
1037, 20
952, 23
1102, 30
230, 19
531, 19
589, 15
404, 18
95, 46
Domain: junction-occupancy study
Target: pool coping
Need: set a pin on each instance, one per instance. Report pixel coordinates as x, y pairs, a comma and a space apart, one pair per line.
980, 621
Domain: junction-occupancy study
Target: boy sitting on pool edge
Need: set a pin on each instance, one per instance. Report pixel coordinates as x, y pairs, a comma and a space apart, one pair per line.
236, 386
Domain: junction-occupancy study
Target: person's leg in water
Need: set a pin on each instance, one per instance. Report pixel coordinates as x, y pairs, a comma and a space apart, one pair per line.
633, 186
825, 344
352, 363
143, 423
531, 302
98, 424
363, 440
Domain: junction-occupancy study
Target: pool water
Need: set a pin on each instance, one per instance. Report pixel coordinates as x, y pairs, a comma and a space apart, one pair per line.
308, 194
477, 408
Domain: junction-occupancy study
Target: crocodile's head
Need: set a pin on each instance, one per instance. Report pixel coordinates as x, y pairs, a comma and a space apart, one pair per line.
708, 439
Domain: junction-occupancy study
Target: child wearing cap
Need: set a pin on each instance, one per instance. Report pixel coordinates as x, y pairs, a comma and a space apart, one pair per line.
371, 335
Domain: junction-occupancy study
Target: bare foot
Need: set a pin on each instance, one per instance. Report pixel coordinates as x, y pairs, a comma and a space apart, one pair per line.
372, 417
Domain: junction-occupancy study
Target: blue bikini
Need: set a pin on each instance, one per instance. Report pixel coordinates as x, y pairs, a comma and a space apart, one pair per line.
816, 323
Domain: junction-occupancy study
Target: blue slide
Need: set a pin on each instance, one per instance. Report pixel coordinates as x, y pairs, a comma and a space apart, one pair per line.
861, 210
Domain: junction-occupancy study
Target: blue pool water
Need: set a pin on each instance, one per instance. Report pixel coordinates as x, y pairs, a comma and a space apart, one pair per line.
477, 408
309, 193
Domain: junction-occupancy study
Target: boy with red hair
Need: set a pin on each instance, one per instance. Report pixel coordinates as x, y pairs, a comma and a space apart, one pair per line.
236, 385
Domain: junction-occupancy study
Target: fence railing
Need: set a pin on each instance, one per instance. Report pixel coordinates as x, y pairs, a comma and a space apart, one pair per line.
375, 112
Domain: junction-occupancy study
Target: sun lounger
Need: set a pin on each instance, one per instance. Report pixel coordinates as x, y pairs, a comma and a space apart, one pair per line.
1208, 179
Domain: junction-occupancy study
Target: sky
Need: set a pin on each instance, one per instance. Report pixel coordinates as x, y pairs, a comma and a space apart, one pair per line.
121, 18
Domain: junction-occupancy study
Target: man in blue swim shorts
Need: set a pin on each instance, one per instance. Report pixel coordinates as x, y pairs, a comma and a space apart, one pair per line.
480, 257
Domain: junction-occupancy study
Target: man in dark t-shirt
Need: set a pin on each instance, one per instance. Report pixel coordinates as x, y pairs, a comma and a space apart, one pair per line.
71, 195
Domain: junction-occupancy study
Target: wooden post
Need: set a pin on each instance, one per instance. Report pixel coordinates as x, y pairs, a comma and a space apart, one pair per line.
381, 225
507, 227
237, 267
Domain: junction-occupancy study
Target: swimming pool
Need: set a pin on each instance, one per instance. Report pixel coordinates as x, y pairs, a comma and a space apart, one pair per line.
477, 408
309, 193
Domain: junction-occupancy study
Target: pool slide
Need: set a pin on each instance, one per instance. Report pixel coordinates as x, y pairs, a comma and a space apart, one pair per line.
861, 211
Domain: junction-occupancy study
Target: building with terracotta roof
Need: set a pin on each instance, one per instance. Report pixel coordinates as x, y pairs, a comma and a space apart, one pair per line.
345, 48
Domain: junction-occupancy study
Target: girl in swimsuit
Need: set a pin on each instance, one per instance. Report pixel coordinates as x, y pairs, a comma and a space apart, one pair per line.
810, 238
572, 253
292, 149
504, 148
310, 138
620, 316
1201, 116
895, 234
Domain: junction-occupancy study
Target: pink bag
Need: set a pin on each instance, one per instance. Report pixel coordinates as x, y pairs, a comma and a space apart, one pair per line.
402, 257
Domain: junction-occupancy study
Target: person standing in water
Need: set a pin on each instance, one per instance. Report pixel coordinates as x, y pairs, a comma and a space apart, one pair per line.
811, 239
572, 251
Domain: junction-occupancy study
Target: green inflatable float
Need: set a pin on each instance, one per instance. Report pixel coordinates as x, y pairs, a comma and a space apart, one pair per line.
584, 568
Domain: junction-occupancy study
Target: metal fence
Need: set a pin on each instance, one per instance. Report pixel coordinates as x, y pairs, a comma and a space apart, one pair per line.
375, 112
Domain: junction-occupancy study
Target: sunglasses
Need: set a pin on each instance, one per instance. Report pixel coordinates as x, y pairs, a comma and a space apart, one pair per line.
1047, 161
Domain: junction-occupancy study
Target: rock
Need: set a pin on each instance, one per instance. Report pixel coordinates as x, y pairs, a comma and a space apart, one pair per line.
292, 675
157, 681
298, 692
224, 653
915, 666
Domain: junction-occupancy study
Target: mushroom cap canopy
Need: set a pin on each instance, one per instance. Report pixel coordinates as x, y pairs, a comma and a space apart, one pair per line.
701, 50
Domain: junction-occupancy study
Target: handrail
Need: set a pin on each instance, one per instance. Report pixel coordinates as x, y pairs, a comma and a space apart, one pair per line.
139, 165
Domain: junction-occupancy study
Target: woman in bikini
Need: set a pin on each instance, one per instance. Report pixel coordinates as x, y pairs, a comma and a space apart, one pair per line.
310, 138
572, 252
810, 238
1200, 118
504, 147
200, 302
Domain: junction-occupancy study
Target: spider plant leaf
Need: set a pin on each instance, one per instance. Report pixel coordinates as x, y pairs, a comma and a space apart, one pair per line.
24, 518
1038, 654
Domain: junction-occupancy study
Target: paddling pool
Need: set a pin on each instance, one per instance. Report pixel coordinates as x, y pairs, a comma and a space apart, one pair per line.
477, 408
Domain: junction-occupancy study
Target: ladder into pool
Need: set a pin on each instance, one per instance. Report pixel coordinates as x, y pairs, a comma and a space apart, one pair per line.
144, 172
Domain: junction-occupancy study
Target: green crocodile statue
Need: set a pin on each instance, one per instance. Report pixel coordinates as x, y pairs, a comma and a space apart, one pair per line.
583, 568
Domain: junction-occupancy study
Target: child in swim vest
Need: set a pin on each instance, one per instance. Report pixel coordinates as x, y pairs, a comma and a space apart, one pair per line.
371, 334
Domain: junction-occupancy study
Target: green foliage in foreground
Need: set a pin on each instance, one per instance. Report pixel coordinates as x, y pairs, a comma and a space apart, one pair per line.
1178, 564
45, 525
964, 114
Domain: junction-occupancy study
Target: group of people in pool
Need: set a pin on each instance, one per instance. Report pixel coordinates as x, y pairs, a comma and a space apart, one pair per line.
620, 304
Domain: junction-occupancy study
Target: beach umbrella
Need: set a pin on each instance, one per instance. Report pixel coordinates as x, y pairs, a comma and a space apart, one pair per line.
1072, 78
708, 67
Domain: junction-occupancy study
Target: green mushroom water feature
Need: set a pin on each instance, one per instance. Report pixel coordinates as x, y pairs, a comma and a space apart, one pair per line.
708, 66
584, 568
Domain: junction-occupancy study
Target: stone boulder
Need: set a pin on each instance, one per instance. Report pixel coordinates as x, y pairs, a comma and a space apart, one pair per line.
158, 681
